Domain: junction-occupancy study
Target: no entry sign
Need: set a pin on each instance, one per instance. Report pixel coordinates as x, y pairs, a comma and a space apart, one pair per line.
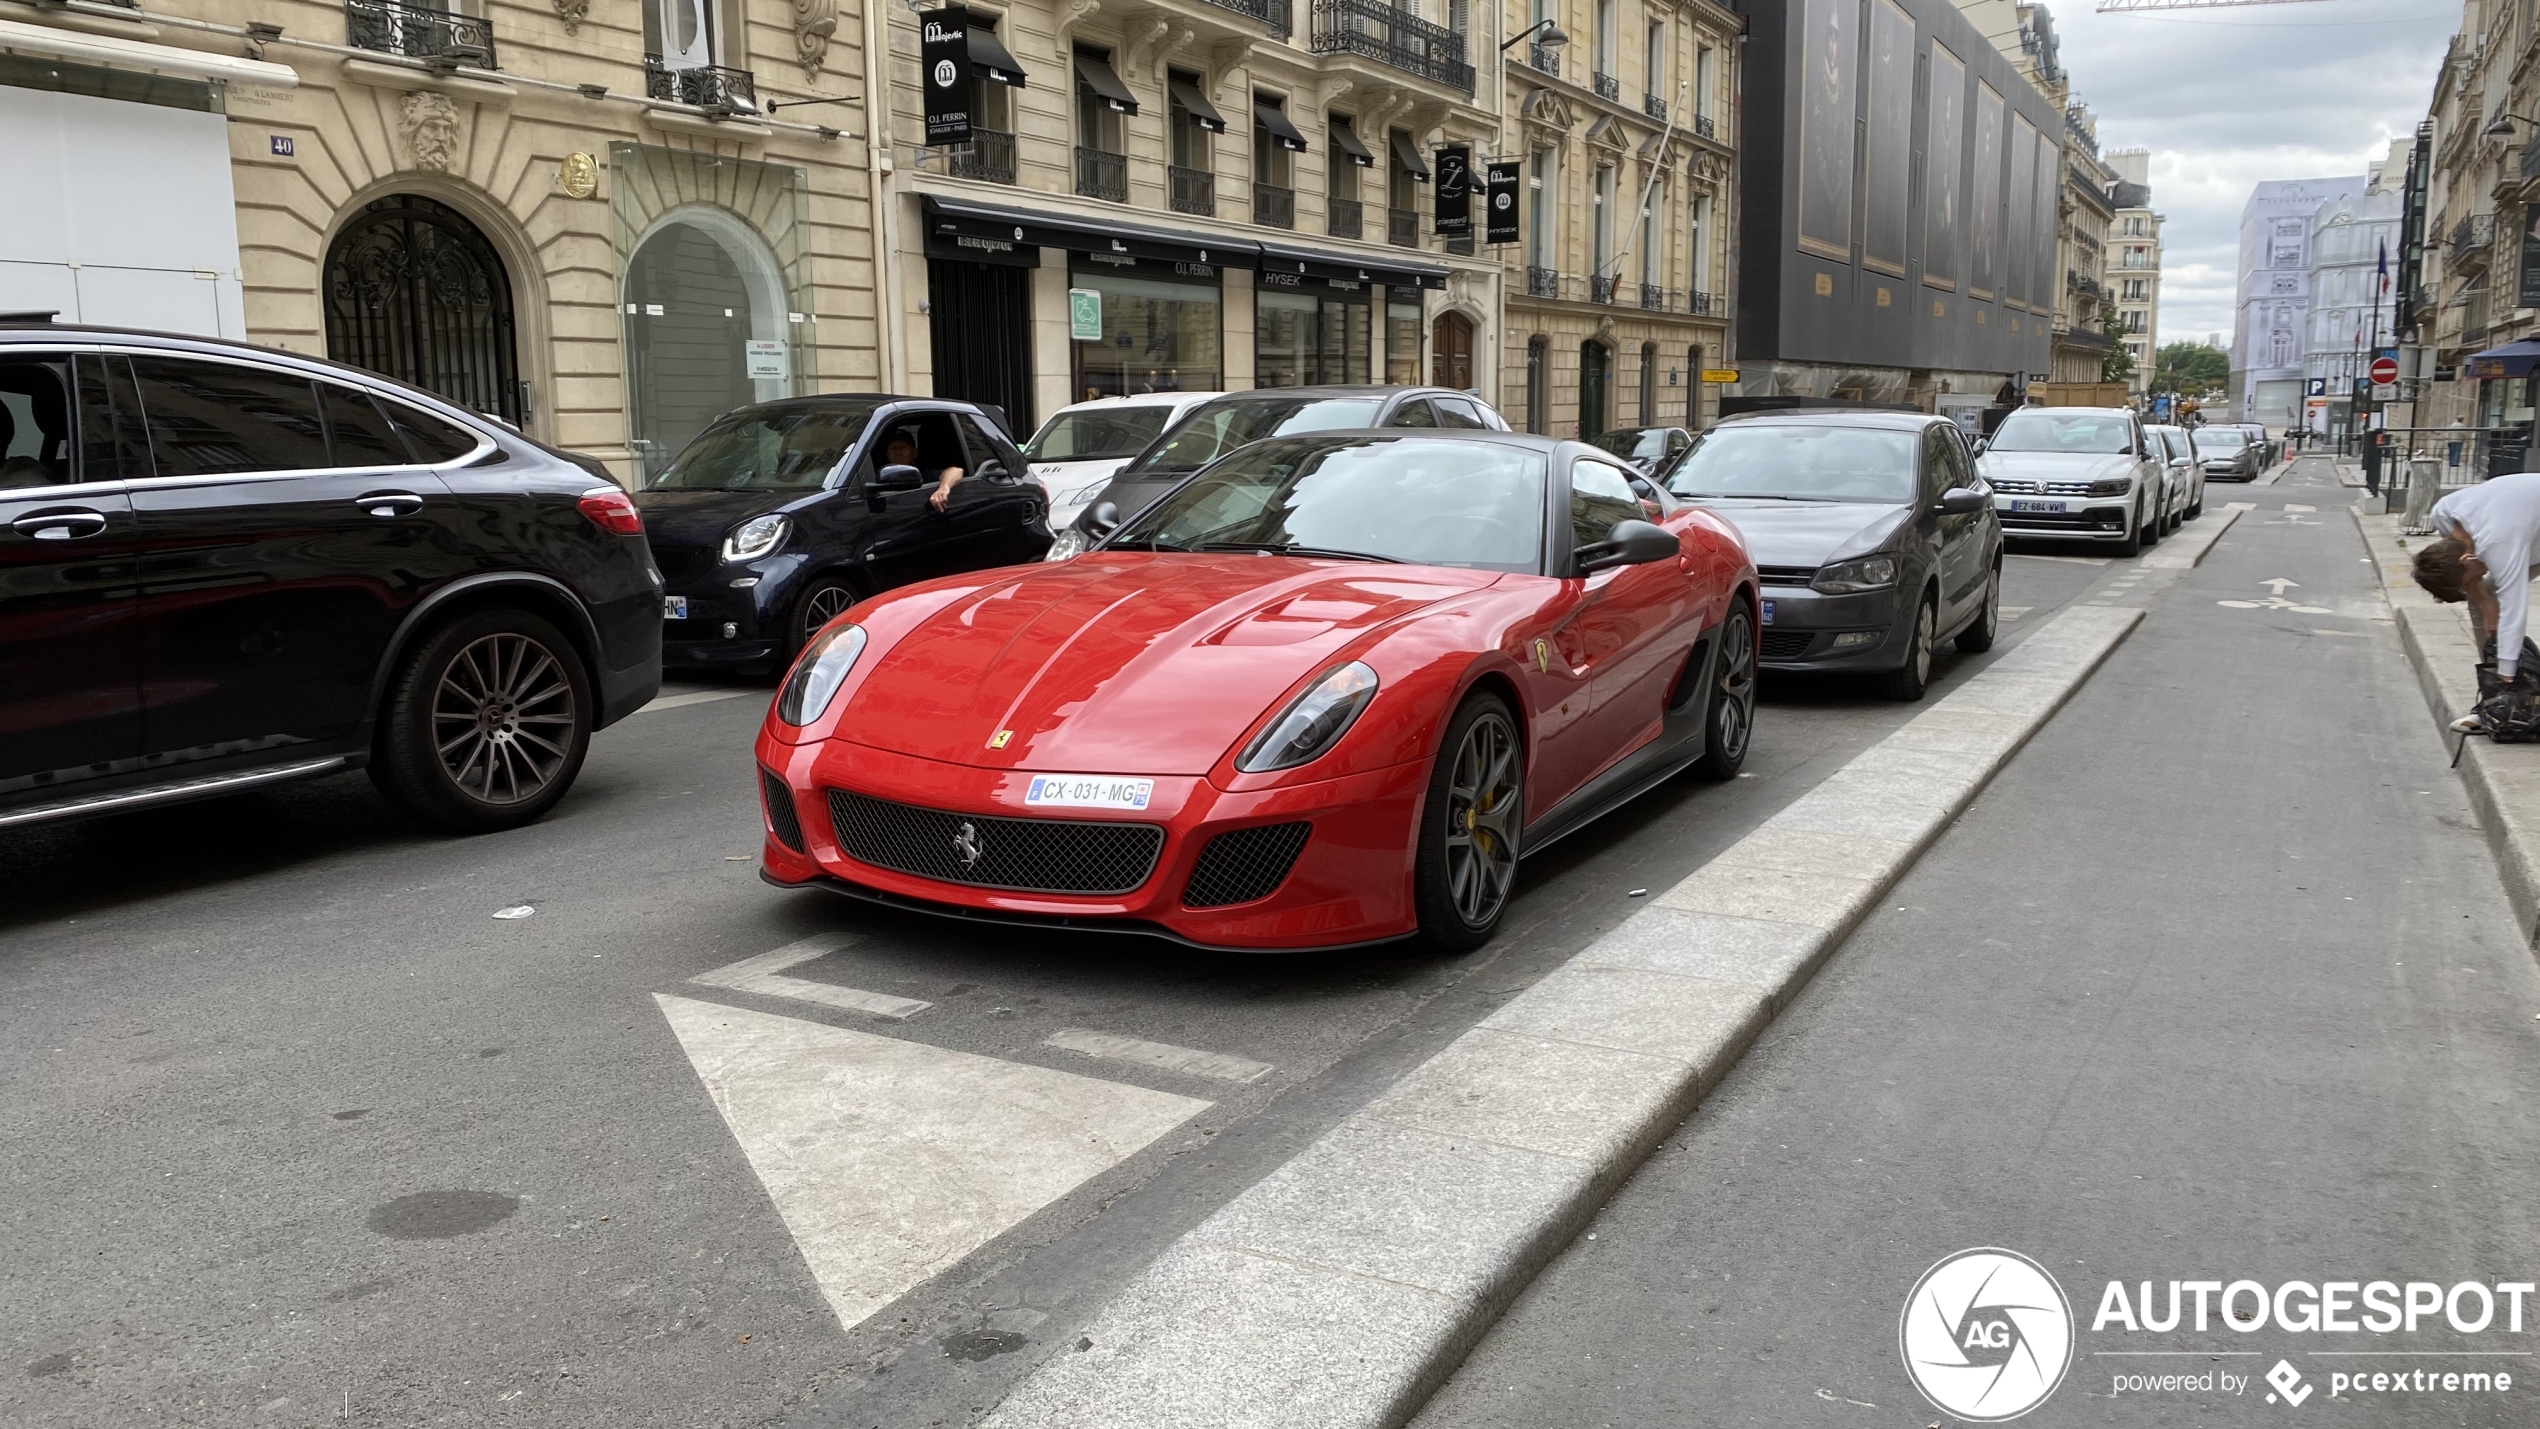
2385, 370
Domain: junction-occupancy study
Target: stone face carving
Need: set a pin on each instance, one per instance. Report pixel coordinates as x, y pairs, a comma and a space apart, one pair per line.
814, 22
431, 125
572, 13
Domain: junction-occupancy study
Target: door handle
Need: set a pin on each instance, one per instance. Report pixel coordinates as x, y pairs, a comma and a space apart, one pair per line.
390, 503
61, 525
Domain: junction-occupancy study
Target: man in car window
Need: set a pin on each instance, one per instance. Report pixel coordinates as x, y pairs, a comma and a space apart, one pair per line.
901, 450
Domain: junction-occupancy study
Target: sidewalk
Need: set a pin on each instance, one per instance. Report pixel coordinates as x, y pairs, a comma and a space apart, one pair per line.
2503, 780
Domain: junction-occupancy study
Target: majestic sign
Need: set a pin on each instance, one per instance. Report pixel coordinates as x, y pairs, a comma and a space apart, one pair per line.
1500, 204
1455, 191
944, 64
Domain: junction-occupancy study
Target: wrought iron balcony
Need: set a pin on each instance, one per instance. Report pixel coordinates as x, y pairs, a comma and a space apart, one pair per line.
1543, 282
419, 32
1600, 288
1653, 297
1606, 86
2472, 235
1101, 173
989, 155
1273, 13
1704, 128
1393, 37
1708, 305
1273, 205
1547, 60
1402, 227
1344, 217
728, 91
1194, 190
1654, 107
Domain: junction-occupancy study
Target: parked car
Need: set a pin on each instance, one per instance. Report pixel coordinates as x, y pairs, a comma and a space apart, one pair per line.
1223, 424
1654, 451
780, 515
2225, 453
2268, 448
223, 567
2076, 473
2186, 474
1077, 449
1326, 692
1872, 535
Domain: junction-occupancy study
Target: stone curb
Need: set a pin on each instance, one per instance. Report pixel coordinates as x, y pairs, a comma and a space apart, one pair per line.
2186, 550
2503, 780
1341, 1290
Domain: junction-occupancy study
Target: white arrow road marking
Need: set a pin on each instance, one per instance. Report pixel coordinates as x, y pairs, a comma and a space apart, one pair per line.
1161, 1055
2276, 602
2279, 585
764, 975
890, 1160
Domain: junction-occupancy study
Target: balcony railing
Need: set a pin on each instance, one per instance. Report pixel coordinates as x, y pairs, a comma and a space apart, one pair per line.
1653, 297
989, 155
1703, 127
1344, 217
1194, 190
1101, 173
1402, 227
1393, 37
1600, 289
2473, 234
1543, 282
1654, 107
1606, 86
728, 91
1708, 305
1273, 13
1273, 206
1546, 60
418, 32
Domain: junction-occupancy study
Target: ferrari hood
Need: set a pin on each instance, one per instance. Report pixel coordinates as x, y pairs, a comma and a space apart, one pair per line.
1800, 533
1123, 662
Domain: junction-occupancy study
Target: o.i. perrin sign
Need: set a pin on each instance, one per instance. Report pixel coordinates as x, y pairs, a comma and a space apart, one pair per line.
1500, 203
1455, 191
944, 65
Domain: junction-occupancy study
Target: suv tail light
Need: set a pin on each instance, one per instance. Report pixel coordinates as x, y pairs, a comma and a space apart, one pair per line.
612, 511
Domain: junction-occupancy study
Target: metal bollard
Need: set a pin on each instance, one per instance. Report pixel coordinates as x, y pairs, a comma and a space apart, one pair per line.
2425, 483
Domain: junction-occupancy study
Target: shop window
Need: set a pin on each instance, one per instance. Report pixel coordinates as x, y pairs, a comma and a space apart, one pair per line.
1402, 340
1302, 339
1157, 336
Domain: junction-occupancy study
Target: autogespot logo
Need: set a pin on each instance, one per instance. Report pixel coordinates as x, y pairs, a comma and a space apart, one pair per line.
1986, 1335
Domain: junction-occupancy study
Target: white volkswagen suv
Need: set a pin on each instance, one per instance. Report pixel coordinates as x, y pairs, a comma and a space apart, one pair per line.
2077, 473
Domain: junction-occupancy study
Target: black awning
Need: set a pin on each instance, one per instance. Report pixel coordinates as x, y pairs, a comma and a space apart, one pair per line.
1407, 156
1095, 71
1345, 141
1267, 115
990, 59
1203, 113
955, 220
1342, 268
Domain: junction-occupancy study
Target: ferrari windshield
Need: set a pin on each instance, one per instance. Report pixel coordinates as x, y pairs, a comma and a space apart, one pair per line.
2094, 433
1800, 463
1424, 500
1222, 426
1097, 434
766, 449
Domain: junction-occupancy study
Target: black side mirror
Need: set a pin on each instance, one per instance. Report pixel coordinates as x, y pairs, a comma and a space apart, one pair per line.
1979, 444
992, 470
1963, 501
1629, 543
1103, 519
898, 478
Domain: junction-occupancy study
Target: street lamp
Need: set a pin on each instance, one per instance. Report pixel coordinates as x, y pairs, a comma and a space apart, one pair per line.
2503, 126
1554, 37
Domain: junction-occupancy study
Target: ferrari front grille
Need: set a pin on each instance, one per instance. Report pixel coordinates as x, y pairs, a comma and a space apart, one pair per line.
1086, 856
1241, 865
781, 816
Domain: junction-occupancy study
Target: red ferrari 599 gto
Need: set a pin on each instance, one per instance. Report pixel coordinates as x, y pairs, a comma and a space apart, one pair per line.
1325, 692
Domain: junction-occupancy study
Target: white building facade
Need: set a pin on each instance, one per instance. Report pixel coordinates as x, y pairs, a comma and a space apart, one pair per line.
2272, 298
2134, 262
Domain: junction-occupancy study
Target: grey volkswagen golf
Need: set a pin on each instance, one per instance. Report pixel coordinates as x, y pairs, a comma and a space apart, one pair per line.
1874, 538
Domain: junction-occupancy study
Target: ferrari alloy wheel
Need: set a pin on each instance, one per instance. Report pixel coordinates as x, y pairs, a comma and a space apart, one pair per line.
1467, 859
1728, 725
486, 723
1908, 681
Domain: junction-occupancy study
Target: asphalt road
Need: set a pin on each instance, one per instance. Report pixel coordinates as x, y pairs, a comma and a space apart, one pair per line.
300, 1131
2216, 982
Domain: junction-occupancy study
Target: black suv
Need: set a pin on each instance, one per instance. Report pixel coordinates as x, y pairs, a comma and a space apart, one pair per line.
781, 515
224, 566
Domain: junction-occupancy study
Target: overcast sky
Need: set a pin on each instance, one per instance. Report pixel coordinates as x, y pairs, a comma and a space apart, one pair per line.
2225, 98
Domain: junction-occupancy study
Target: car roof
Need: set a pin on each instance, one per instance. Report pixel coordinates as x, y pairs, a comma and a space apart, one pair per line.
1835, 417
2093, 411
1138, 399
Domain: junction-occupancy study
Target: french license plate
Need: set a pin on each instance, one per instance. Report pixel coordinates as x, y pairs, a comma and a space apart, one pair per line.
2055, 506
674, 607
1768, 612
1087, 791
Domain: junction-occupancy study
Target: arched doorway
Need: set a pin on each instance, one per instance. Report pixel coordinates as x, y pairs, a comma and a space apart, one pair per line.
1451, 352
1538, 376
1649, 384
415, 291
705, 330
1596, 381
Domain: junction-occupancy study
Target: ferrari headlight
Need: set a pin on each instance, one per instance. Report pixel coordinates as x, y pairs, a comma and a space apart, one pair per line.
1860, 574
755, 538
818, 674
1313, 723
1070, 542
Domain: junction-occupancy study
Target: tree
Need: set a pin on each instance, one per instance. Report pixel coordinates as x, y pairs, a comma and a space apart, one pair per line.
2191, 368
2118, 365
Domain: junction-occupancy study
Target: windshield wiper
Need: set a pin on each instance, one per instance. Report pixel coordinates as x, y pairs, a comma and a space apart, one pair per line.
1276, 548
